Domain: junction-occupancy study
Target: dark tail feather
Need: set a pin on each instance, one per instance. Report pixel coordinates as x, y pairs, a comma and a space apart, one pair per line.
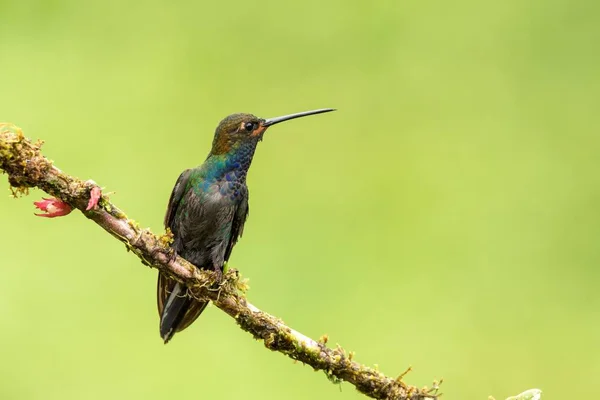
177, 310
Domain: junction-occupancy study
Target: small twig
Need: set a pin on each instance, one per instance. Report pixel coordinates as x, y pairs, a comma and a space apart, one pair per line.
21, 159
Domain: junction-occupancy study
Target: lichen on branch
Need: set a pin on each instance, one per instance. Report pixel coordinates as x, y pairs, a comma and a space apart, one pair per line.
26, 167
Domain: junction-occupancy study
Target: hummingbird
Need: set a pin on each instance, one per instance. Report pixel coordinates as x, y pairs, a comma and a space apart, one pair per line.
207, 211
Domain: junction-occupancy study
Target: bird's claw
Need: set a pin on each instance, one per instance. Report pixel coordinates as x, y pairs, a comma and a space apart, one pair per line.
170, 253
172, 256
218, 276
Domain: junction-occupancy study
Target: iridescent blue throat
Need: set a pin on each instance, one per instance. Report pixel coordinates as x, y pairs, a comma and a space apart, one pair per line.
231, 167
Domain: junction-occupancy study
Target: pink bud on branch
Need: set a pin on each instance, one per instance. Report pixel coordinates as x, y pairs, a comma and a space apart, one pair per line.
95, 194
52, 207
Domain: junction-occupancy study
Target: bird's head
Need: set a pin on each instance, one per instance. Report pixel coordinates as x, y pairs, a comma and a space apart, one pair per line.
238, 129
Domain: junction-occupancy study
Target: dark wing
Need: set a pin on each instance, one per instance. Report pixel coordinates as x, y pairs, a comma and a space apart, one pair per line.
192, 309
176, 196
165, 284
237, 226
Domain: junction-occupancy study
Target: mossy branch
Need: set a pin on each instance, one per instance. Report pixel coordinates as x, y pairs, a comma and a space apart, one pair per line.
21, 159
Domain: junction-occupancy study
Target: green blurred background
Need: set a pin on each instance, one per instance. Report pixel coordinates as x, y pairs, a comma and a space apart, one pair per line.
446, 217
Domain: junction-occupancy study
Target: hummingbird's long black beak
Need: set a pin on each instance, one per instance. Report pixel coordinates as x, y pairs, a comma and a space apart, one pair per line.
276, 120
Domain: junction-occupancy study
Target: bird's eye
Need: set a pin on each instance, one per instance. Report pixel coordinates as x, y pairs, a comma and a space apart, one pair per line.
249, 126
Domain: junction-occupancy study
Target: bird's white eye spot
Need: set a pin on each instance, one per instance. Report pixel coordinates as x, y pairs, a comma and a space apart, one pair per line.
249, 126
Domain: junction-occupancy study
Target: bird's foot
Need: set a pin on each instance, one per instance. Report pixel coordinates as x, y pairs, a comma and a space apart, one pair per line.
218, 276
172, 255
